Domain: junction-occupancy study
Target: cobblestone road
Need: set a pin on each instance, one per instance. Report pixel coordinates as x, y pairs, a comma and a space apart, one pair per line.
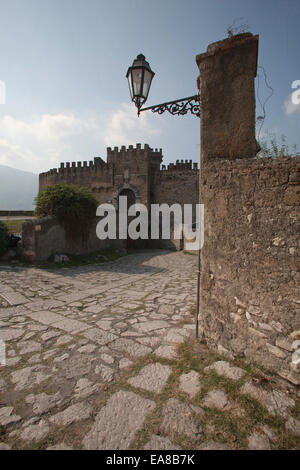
91, 360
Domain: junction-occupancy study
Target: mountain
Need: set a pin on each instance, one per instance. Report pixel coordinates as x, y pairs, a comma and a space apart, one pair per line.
17, 189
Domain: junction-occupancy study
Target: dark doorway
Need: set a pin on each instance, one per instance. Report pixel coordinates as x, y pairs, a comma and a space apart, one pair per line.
130, 244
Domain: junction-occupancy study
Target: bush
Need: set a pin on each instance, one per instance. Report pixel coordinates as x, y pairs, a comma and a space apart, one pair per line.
74, 206
4, 238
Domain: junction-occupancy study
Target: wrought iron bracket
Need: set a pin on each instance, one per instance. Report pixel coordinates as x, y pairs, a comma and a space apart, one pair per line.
177, 107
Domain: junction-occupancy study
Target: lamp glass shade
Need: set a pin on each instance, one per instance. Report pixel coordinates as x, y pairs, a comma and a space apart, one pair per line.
139, 77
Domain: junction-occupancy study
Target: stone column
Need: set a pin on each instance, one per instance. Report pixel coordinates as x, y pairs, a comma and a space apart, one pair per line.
227, 98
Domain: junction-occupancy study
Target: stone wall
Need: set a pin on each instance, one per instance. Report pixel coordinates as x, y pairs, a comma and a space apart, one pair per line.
42, 238
250, 278
250, 260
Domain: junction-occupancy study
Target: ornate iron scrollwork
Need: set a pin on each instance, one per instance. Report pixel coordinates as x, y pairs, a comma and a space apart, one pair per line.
178, 107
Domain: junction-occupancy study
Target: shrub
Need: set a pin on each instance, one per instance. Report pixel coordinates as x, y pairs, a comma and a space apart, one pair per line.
4, 238
74, 206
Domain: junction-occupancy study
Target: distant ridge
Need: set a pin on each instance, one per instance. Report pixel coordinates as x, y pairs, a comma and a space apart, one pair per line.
17, 189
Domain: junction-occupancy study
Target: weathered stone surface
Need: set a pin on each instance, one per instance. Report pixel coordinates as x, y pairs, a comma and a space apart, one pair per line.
216, 399
226, 370
168, 352
160, 443
35, 432
106, 373
276, 402
177, 418
124, 362
71, 326
77, 366
107, 358
4, 446
118, 422
152, 377
29, 376
8, 334
14, 298
189, 383
46, 317
258, 441
99, 336
87, 349
43, 402
151, 341
212, 445
147, 326
130, 347
61, 446
174, 335
6, 416
26, 347
293, 425
73, 413
84, 388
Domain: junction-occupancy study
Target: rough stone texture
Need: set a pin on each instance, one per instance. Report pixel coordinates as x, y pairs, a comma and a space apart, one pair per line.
293, 425
6, 416
189, 383
73, 413
245, 210
177, 418
35, 432
251, 211
216, 399
106, 373
226, 370
130, 347
160, 443
118, 421
152, 377
258, 441
212, 445
4, 446
168, 352
61, 446
276, 402
43, 402
28, 376
227, 130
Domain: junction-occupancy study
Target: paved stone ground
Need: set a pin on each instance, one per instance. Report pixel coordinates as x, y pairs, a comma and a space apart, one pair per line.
98, 358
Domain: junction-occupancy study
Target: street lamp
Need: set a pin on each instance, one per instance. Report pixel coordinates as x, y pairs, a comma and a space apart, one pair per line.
139, 77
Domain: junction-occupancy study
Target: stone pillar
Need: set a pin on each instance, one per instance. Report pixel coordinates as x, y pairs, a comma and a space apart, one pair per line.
227, 98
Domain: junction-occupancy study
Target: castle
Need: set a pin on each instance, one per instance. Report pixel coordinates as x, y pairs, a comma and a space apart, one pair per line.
135, 172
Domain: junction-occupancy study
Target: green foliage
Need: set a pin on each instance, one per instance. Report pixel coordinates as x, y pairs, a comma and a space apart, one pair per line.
4, 238
270, 147
74, 206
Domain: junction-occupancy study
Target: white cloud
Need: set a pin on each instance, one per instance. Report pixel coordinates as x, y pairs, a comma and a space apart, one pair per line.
290, 107
42, 142
125, 128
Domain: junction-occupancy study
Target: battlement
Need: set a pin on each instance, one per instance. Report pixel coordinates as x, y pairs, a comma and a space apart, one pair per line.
180, 165
131, 148
76, 167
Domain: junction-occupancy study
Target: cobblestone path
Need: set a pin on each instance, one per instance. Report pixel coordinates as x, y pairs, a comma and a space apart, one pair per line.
104, 357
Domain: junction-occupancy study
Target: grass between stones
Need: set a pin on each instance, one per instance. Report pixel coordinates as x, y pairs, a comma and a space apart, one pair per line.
231, 426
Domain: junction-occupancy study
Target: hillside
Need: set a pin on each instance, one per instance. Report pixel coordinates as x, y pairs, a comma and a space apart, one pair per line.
17, 189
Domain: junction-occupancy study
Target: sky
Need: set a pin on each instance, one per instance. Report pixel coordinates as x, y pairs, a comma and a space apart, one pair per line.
63, 63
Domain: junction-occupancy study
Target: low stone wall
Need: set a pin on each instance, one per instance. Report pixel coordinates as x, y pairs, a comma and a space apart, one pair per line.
250, 280
42, 238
